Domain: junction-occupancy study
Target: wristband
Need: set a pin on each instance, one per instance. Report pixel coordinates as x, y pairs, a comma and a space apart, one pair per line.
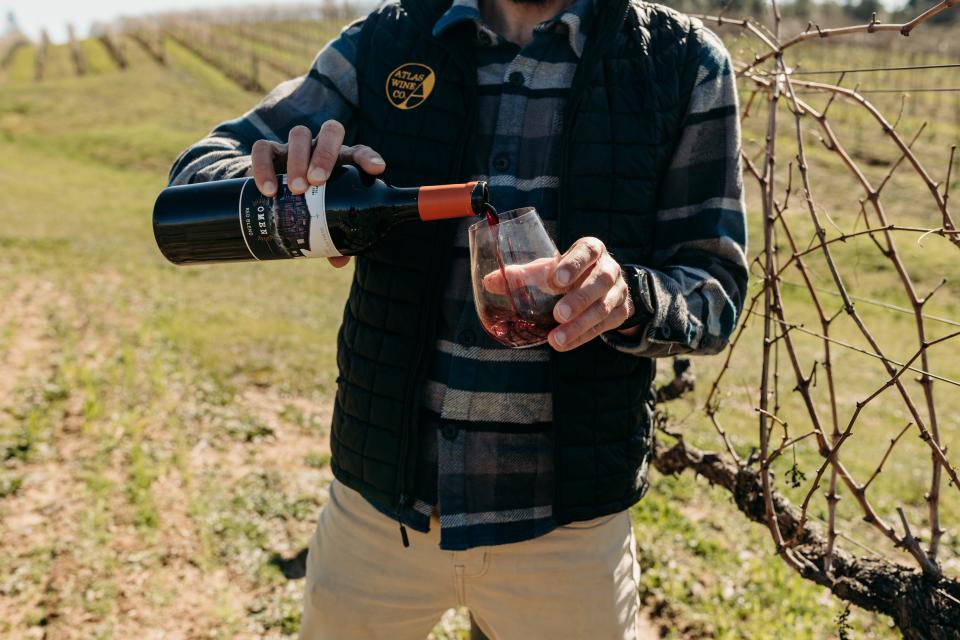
638, 285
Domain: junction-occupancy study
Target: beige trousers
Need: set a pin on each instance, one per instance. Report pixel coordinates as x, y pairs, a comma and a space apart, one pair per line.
577, 582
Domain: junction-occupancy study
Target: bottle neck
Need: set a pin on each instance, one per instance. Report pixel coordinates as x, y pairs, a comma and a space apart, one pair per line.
402, 203
438, 202
447, 201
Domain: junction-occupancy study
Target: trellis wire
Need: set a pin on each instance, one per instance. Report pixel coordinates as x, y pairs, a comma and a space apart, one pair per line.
877, 303
827, 429
817, 72
845, 345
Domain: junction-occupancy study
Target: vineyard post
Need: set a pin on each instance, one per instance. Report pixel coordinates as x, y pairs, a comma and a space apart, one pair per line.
160, 46
40, 62
114, 48
79, 61
255, 67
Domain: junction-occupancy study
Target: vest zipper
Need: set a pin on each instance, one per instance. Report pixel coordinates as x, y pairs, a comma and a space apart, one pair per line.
419, 372
600, 42
446, 231
403, 530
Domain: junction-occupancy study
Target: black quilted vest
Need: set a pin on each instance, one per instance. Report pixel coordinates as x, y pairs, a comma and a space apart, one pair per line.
621, 126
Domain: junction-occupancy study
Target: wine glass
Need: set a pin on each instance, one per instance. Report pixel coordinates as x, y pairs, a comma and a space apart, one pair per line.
511, 264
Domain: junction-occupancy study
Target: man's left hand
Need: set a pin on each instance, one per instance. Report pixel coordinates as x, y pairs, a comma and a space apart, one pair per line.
597, 297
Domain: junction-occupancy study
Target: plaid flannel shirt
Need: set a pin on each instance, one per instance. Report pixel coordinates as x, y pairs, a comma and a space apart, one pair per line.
486, 430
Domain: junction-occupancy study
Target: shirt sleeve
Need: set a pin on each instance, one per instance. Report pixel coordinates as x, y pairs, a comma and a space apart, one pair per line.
328, 91
690, 296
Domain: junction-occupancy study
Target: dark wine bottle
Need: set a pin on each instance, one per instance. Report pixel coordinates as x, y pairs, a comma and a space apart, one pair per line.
230, 220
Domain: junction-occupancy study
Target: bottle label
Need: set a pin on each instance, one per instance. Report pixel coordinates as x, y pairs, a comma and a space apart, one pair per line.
286, 226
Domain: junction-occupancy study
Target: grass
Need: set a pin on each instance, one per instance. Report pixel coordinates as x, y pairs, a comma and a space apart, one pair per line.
124, 430
165, 426
714, 579
317, 460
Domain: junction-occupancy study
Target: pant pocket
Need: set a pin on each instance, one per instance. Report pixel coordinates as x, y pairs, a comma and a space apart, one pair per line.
590, 524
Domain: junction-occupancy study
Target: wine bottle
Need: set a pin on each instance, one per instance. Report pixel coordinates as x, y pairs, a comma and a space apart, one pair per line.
230, 220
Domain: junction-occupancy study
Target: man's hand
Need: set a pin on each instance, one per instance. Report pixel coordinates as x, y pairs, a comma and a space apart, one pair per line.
308, 161
538, 273
597, 298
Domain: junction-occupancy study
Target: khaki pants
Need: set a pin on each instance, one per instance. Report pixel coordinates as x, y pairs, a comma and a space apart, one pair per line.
577, 582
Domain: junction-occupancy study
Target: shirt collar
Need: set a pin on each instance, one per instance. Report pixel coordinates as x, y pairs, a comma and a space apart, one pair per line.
575, 20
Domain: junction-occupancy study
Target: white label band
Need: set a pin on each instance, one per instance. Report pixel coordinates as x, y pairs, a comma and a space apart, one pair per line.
321, 244
243, 232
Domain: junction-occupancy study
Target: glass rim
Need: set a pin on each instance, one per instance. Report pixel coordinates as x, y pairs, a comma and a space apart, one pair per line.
514, 215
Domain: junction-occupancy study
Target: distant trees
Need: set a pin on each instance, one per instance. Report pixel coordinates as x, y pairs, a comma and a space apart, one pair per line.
916, 6
863, 10
11, 24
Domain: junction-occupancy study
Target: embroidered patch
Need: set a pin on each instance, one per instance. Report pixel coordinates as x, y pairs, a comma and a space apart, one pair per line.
409, 85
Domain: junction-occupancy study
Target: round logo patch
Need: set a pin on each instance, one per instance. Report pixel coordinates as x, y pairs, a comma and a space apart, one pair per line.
409, 85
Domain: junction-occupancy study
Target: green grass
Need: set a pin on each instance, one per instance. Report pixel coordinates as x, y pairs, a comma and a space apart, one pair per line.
97, 58
317, 460
165, 426
20, 68
132, 371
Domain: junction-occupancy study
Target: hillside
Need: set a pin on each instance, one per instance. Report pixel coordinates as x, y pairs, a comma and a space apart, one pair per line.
163, 430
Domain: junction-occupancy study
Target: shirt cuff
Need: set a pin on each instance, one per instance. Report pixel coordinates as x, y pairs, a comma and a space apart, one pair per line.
239, 167
640, 289
202, 170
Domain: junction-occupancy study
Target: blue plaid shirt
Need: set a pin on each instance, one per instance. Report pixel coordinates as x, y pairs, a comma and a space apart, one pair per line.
486, 431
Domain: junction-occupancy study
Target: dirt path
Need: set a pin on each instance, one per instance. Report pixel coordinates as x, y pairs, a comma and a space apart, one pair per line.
140, 501
647, 630
23, 322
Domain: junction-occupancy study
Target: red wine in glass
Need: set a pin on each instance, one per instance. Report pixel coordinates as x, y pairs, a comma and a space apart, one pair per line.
520, 313
492, 219
508, 327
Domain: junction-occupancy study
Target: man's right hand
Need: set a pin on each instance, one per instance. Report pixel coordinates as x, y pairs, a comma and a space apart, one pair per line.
308, 162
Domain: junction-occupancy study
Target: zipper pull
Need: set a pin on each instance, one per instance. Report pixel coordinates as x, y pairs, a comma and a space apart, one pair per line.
403, 529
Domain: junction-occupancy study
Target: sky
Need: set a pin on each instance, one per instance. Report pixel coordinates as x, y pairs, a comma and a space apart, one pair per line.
32, 15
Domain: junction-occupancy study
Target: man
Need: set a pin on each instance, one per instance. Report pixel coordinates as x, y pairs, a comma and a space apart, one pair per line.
507, 472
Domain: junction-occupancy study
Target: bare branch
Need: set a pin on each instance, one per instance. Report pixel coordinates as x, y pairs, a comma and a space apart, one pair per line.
872, 27
875, 584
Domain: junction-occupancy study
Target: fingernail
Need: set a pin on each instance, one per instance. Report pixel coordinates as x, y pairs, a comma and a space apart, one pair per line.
563, 311
269, 188
559, 337
563, 276
299, 184
377, 160
317, 174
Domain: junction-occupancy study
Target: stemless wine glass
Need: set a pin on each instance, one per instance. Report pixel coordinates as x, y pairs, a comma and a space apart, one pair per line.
510, 265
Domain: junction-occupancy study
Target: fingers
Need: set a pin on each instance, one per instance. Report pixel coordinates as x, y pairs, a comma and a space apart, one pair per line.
309, 161
602, 275
299, 145
533, 274
365, 158
493, 282
264, 157
340, 261
601, 316
575, 262
326, 151
598, 302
